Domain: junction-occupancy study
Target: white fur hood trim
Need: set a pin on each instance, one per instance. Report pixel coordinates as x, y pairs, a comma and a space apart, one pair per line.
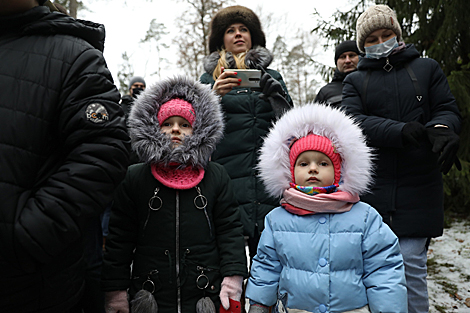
153, 146
322, 120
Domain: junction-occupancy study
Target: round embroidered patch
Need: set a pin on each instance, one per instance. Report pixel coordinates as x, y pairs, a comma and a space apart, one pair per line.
97, 113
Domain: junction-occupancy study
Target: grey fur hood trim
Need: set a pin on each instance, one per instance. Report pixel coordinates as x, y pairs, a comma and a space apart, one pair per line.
322, 120
154, 146
254, 57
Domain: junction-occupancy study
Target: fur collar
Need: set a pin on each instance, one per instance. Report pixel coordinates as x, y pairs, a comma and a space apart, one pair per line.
254, 57
331, 122
153, 146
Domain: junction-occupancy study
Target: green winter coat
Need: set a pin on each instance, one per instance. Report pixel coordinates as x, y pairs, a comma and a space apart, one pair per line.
247, 121
174, 245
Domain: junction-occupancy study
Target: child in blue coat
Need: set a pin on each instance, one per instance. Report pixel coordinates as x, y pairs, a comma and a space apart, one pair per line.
323, 250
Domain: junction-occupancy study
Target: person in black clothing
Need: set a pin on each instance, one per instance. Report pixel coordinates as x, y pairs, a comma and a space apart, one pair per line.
63, 150
405, 107
346, 59
176, 239
136, 86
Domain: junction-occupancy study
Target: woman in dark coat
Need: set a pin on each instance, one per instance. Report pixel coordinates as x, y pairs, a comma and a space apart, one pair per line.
175, 217
405, 107
236, 41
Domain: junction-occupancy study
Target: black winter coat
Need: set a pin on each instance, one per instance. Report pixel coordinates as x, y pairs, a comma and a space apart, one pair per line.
174, 245
408, 189
126, 105
247, 121
63, 150
332, 93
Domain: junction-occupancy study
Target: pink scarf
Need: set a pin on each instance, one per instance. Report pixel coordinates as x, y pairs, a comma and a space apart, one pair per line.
299, 203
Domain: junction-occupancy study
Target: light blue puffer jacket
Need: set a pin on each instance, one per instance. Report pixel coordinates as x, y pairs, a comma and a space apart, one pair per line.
329, 262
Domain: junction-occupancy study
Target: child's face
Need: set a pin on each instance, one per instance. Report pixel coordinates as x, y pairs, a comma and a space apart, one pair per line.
314, 169
177, 128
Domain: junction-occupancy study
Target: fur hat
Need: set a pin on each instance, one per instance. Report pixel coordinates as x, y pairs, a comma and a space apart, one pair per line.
374, 18
316, 143
345, 46
176, 107
231, 15
154, 146
321, 120
136, 79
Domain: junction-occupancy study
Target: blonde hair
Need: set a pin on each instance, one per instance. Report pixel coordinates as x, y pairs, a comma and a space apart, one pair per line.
239, 61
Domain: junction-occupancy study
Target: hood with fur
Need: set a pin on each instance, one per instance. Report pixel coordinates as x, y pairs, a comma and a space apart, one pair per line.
254, 57
322, 120
154, 146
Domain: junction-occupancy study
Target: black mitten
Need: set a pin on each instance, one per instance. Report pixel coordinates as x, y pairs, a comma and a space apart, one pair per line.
272, 91
413, 133
445, 142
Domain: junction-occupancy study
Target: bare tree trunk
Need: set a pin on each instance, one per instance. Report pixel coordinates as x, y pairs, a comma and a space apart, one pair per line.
73, 8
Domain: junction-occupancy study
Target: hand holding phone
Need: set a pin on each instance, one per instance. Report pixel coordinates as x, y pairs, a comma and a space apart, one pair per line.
249, 78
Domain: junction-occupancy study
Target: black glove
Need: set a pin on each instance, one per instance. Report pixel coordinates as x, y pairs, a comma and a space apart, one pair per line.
272, 91
445, 142
413, 133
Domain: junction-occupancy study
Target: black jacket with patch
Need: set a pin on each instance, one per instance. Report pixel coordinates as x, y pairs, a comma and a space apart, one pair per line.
63, 150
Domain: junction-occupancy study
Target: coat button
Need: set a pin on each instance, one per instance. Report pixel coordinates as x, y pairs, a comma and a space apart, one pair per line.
322, 220
322, 308
323, 262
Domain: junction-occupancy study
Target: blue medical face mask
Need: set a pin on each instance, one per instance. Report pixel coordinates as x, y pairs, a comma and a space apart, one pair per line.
381, 50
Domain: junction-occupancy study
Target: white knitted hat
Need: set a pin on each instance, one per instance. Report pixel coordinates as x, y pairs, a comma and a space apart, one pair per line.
376, 17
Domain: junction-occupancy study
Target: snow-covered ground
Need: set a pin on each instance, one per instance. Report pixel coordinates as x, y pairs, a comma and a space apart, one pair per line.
449, 270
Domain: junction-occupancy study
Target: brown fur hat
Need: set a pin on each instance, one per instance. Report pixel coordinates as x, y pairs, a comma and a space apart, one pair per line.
231, 15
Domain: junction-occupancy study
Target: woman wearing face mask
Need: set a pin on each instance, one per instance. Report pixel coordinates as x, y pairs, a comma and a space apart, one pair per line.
236, 41
405, 107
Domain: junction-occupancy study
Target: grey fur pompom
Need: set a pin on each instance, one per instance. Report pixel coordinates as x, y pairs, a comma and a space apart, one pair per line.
144, 302
204, 305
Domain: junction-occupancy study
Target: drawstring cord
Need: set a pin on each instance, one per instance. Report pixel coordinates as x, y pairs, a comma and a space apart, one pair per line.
203, 206
153, 206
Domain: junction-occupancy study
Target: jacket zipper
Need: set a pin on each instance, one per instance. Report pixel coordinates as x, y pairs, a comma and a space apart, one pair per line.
177, 250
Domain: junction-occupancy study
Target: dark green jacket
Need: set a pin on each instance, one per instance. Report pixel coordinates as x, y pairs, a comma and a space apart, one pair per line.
174, 245
247, 121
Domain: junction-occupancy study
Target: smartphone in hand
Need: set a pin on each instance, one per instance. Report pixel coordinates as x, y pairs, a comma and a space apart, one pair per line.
250, 78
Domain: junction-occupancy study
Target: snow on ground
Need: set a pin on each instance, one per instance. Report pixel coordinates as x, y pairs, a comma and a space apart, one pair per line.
449, 270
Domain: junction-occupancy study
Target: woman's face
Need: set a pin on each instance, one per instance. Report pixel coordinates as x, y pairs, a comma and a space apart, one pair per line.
379, 36
237, 38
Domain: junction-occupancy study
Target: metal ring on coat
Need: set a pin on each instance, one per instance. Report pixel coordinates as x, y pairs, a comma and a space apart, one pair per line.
202, 275
150, 282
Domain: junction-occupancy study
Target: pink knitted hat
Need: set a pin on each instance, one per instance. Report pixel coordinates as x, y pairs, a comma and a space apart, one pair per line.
316, 143
176, 107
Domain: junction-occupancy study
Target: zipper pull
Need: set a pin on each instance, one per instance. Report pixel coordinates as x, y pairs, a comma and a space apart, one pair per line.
388, 67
